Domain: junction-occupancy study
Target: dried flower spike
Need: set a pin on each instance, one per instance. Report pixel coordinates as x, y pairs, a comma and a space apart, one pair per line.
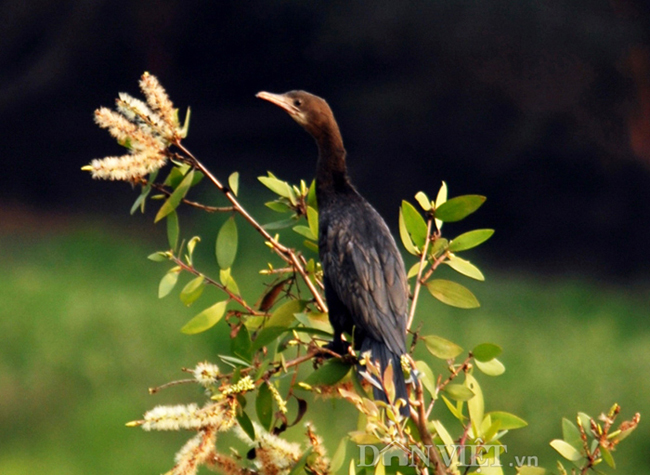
146, 129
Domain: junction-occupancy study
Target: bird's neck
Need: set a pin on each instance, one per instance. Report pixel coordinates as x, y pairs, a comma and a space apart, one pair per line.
331, 169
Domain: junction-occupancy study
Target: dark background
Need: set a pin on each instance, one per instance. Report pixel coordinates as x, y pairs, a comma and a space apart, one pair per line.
544, 107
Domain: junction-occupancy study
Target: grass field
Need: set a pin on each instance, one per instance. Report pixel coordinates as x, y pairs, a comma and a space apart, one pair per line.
83, 335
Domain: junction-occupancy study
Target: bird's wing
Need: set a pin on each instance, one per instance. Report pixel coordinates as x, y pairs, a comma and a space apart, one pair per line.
365, 269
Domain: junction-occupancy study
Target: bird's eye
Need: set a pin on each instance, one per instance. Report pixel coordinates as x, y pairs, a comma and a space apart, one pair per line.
297, 102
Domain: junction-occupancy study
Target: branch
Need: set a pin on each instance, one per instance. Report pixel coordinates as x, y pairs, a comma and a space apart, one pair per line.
284, 252
206, 208
231, 295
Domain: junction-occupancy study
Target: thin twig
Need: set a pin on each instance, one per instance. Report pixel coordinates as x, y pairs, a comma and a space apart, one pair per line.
194, 204
213, 282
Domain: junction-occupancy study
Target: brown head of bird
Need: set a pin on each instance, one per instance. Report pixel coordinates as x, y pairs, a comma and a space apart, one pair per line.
310, 111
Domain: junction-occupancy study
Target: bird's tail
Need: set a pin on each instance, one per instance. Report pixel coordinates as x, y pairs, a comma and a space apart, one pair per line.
381, 355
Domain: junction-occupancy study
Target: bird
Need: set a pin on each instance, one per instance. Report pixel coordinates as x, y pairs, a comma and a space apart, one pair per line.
363, 272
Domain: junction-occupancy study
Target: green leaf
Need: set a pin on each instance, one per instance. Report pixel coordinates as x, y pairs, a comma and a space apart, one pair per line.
607, 457
470, 239
311, 245
493, 367
312, 219
476, 405
278, 206
406, 237
228, 281
176, 197
459, 208
452, 293
206, 319
299, 467
486, 351
246, 425
172, 230
234, 362
168, 282
455, 411
280, 320
571, 434
441, 198
423, 200
566, 450
464, 267
339, 456
285, 223
192, 290
159, 256
241, 344
278, 187
176, 175
530, 470
311, 196
226, 248
305, 231
284, 315
427, 378
264, 406
233, 182
142, 198
330, 373
458, 392
414, 223
508, 421
441, 348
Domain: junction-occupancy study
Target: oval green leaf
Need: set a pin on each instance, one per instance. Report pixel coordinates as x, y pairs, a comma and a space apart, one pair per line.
404, 235
427, 377
459, 208
423, 200
206, 319
566, 450
330, 373
192, 290
441, 198
176, 197
278, 206
312, 219
264, 406
452, 293
278, 187
233, 182
464, 267
414, 223
571, 434
476, 405
168, 282
508, 421
441, 348
226, 248
458, 392
486, 351
246, 424
493, 367
470, 239
305, 231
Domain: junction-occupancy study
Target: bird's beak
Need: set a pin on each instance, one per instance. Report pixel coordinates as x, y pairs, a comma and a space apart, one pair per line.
280, 100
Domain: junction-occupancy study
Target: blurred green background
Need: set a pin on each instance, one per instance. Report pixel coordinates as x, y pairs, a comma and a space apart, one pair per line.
83, 335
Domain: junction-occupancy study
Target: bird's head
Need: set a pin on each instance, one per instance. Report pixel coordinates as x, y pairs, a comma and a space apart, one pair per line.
310, 111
